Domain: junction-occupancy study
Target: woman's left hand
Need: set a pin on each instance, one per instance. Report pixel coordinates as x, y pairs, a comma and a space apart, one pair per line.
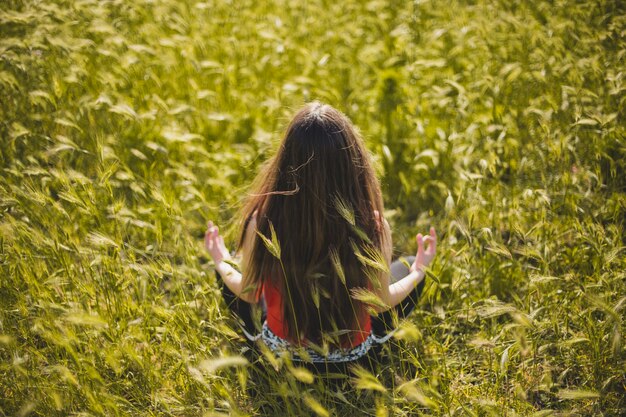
214, 243
425, 255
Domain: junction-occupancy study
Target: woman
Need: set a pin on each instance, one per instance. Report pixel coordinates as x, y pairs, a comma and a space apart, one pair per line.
316, 251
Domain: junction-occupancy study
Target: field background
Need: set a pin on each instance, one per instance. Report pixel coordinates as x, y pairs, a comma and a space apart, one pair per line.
126, 125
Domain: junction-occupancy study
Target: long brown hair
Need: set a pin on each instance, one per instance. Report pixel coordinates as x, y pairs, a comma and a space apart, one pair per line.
321, 196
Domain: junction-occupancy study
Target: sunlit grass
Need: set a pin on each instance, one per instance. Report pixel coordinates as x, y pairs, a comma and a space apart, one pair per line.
124, 126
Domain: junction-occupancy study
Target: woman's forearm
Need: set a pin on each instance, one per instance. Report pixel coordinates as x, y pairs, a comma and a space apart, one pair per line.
231, 277
234, 281
399, 290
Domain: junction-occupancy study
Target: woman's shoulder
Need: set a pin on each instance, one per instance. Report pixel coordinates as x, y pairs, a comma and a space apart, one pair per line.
382, 222
251, 222
250, 227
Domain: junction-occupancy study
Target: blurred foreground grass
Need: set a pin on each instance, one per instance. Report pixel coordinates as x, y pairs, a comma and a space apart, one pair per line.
124, 126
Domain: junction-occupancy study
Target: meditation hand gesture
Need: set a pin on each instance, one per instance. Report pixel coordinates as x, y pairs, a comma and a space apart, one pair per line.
214, 243
425, 255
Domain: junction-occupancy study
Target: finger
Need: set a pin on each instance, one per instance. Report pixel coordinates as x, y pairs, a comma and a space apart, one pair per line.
210, 239
433, 237
420, 244
426, 240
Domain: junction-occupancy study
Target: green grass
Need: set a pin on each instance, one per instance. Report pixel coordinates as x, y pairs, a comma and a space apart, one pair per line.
124, 126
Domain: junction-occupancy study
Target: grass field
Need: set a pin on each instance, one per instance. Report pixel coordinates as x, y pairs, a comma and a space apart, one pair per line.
126, 125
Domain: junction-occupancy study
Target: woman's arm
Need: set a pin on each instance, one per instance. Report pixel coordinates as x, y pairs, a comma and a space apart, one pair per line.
393, 294
233, 279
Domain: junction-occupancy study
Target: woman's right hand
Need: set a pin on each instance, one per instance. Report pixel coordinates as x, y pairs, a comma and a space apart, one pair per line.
426, 250
214, 243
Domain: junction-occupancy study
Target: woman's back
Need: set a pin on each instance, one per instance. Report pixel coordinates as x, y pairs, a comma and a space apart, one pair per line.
315, 247
318, 198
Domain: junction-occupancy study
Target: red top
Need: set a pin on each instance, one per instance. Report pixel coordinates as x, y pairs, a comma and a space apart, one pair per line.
275, 322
